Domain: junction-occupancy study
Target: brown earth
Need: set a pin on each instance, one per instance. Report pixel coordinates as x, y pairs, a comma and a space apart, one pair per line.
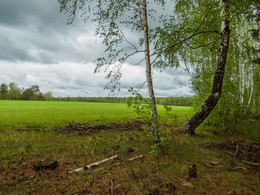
243, 149
110, 179
85, 128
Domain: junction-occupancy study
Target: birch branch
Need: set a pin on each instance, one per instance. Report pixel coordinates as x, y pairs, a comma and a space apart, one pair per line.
136, 157
93, 164
130, 159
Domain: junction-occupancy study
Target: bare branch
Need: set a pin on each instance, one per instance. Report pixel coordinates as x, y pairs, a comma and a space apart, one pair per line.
141, 85
186, 66
191, 75
140, 61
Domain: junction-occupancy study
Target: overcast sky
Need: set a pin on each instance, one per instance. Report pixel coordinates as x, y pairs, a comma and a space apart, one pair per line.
37, 47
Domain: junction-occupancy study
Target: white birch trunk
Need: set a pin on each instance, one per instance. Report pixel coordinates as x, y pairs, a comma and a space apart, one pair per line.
149, 75
241, 66
191, 124
211, 60
252, 88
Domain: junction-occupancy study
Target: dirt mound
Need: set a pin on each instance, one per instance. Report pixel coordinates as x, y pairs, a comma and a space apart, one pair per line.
248, 150
87, 129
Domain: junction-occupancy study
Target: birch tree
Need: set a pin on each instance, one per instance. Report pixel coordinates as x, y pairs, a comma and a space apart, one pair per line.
237, 84
112, 18
190, 125
149, 80
199, 37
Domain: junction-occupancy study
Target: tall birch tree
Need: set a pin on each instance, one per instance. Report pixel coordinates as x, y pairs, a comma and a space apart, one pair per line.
199, 37
112, 18
149, 80
190, 125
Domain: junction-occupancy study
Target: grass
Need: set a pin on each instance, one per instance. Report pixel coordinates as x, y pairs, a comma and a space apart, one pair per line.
25, 114
19, 150
37, 114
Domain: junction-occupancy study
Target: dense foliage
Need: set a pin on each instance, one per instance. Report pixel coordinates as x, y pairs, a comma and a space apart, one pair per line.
240, 96
192, 37
14, 92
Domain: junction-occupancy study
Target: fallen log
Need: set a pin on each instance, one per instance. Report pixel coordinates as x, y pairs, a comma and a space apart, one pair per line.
93, 164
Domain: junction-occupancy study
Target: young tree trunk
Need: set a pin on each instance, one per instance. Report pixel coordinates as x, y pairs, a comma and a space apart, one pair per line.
154, 120
241, 67
191, 124
252, 89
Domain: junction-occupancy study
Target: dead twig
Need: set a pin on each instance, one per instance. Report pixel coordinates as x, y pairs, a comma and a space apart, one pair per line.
251, 163
112, 186
136, 157
93, 164
207, 165
130, 159
113, 165
247, 162
90, 129
237, 150
231, 153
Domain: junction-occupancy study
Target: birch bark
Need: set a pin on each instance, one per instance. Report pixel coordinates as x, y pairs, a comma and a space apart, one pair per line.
191, 124
241, 67
149, 80
252, 88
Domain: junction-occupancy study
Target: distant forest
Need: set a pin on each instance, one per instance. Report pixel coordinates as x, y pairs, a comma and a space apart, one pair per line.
14, 92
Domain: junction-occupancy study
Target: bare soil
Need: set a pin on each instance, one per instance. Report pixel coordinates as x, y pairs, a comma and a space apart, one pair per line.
243, 149
85, 128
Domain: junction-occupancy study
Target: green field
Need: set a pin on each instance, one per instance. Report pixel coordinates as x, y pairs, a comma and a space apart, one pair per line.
47, 114
19, 150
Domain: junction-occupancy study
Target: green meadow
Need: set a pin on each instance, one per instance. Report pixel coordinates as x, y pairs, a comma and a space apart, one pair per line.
167, 173
48, 114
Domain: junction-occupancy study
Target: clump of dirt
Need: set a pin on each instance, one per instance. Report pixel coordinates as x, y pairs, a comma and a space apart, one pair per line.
47, 164
248, 150
84, 128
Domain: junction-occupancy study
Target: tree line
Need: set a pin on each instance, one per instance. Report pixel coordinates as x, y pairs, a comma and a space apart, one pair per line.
12, 91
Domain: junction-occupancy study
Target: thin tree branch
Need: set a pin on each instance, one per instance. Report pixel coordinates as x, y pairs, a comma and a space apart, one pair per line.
202, 21
180, 42
191, 75
140, 61
186, 66
141, 86
200, 46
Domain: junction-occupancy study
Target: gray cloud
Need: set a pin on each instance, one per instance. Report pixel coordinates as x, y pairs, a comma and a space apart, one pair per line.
38, 47
36, 31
